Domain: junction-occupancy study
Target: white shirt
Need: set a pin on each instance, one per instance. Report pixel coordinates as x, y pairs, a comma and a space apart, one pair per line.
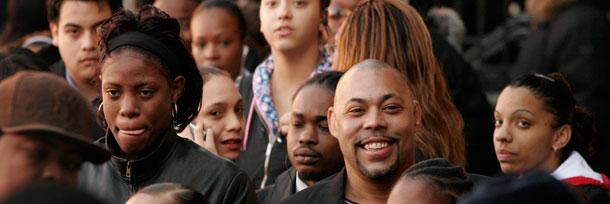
300, 185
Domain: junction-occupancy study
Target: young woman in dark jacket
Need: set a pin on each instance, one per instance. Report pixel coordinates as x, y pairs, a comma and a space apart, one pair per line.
150, 89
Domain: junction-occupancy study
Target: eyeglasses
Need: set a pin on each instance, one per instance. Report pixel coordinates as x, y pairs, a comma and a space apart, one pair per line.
334, 12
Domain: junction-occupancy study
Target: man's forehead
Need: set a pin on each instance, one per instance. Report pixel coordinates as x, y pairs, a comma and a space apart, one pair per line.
312, 99
83, 12
371, 83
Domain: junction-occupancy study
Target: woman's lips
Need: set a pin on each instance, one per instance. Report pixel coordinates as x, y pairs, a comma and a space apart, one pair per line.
283, 31
504, 155
134, 132
232, 143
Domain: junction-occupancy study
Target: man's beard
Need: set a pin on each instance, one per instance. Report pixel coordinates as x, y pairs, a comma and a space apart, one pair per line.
379, 174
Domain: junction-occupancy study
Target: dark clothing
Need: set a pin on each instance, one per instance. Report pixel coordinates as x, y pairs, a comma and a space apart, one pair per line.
471, 101
477, 178
329, 190
253, 58
332, 190
252, 161
284, 186
51, 55
596, 194
536, 187
576, 43
58, 68
49, 192
175, 160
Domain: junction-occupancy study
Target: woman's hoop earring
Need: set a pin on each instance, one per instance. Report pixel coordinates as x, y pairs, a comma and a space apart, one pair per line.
99, 108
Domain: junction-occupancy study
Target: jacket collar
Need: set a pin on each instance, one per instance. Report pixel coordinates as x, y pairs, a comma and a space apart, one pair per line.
334, 189
143, 168
284, 185
576, 171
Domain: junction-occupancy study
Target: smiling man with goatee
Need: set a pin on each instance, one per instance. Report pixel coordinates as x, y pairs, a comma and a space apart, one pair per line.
375, 118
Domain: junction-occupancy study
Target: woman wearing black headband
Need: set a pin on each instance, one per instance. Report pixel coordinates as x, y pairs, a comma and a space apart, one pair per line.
150, 89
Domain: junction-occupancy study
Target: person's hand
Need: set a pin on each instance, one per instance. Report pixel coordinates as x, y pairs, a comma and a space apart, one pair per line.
204, 138
285, 123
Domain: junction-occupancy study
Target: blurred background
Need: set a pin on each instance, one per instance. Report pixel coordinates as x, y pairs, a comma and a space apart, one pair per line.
488, 33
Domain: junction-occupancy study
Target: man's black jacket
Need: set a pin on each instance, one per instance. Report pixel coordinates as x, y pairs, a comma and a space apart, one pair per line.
284, 187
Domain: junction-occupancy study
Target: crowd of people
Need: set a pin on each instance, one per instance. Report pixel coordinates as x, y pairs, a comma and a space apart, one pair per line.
295, 101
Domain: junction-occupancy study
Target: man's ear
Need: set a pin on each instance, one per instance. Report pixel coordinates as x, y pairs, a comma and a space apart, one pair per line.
332, 122
562, 137
417, 114
54, 32
177, 88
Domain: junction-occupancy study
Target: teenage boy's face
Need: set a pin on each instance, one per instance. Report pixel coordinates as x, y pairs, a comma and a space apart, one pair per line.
74, 34
290, 24
311, 149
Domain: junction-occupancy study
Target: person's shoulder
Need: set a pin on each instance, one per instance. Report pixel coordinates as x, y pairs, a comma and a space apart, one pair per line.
308, 195
92, 176
325, 191
585, 9
582, 14
265, 194
596, 194
195, 155
479, 178
245, 84
88, 168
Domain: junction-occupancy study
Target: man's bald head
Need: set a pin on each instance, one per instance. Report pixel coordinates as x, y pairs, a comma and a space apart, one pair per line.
370, 65
373, 64
375, 117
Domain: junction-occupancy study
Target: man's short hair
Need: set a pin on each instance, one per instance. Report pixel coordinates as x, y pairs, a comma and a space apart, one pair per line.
53, 7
